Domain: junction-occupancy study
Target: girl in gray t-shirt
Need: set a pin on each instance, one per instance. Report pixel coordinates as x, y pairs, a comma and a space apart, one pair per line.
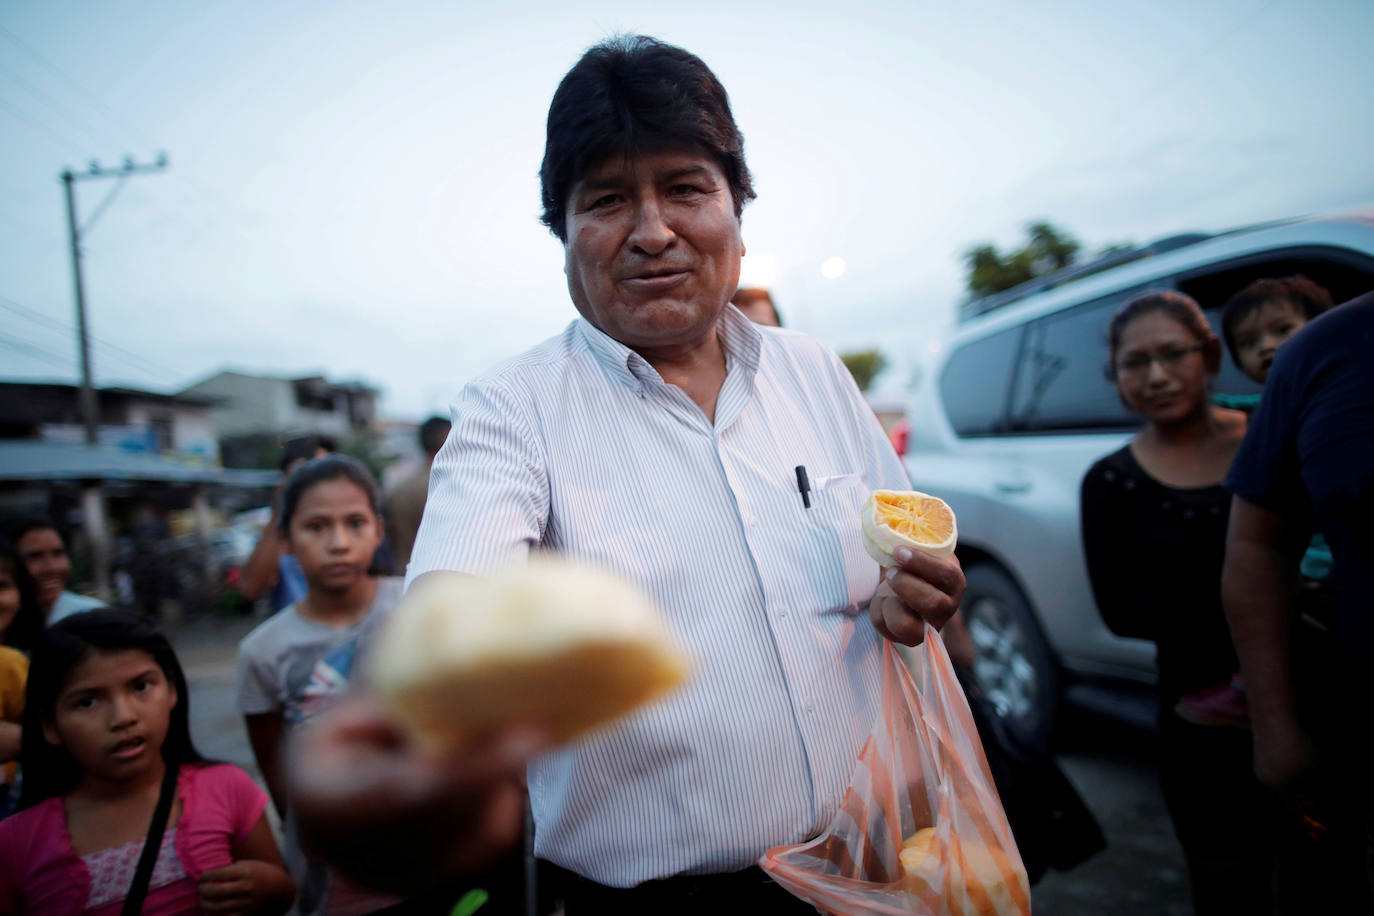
293, 664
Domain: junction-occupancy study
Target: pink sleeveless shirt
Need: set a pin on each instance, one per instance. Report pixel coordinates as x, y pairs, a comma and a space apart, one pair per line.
41, 875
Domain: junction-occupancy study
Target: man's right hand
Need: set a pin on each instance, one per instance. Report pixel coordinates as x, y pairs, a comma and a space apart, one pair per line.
373, 804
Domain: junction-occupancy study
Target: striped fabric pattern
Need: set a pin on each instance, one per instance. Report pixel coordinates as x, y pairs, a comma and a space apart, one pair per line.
579, 447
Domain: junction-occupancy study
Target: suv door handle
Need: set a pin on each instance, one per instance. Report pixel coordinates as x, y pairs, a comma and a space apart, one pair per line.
1012, 486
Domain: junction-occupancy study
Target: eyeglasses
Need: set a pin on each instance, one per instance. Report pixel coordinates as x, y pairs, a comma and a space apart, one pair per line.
1168, 358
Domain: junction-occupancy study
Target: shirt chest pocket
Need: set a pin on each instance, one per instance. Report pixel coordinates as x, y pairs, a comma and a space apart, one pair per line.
842, 570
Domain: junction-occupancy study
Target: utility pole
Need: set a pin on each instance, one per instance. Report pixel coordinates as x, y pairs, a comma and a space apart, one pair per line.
89, 412
92, 493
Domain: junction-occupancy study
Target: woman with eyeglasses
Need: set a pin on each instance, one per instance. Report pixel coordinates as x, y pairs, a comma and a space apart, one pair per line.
1154, 534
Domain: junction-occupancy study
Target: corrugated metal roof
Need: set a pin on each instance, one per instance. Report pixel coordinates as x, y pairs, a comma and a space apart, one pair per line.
15, 388
20, 460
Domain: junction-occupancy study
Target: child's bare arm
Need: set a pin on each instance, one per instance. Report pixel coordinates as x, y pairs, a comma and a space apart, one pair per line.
255, 882
265, 733
260, 570
11, 737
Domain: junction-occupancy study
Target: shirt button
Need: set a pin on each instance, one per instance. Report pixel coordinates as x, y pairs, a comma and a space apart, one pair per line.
810, 708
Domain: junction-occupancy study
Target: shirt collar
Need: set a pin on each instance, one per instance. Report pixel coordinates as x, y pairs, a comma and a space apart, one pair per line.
739, 338
623, 364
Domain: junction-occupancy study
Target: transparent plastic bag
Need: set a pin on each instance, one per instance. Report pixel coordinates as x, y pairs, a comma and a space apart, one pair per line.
921, 767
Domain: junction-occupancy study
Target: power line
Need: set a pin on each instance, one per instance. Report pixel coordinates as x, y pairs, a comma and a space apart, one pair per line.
61, 75
52, 104
34, 315
126, 129
62, 143
109, 349
41, 351
36, 350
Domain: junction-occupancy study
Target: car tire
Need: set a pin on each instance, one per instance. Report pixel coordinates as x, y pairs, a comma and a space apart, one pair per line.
1013, 665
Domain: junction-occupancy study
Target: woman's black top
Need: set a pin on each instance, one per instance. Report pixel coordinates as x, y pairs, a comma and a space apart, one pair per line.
1154, 556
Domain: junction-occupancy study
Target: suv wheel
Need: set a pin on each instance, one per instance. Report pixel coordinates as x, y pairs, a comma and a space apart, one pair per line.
1013, 666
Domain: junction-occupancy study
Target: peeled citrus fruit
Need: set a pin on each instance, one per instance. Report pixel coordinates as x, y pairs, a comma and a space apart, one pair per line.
556, 646
917, 847
906, 518
971, 877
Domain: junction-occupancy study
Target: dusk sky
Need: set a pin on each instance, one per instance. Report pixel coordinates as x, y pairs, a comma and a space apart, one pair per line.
353, 187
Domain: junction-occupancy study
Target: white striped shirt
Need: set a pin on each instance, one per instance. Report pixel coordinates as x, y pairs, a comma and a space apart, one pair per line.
578, 446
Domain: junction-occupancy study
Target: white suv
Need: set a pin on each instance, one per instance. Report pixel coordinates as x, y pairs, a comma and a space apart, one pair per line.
1017, 408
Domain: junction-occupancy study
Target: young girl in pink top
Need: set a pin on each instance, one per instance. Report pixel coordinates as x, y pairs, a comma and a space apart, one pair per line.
105, 718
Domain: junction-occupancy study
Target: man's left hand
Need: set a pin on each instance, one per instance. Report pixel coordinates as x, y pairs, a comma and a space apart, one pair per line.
920, 589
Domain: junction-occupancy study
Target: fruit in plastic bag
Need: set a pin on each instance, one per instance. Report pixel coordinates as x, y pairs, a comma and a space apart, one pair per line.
968, 867
916, 848
920, 830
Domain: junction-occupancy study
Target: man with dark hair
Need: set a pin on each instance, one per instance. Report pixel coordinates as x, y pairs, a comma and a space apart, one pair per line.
658, 436
630, 96
757, 305
43, 551
405, 505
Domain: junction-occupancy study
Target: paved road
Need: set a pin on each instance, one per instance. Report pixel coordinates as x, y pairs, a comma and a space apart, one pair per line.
1140, 874
206, 648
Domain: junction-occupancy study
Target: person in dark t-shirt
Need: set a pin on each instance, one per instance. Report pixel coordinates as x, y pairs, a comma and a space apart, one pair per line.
1308, 461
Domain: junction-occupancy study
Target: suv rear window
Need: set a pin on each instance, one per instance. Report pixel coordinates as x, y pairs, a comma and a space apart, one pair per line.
973, 385
1060, 383
1047, 376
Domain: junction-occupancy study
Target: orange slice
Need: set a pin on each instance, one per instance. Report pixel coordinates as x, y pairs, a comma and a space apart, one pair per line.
906, 518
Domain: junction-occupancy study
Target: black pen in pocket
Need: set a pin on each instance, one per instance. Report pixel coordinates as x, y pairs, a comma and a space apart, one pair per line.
804, 486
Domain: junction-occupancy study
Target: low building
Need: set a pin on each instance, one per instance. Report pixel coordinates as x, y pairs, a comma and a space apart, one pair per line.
176, 426
253, 411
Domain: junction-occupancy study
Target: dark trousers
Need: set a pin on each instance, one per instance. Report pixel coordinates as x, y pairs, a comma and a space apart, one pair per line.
1224, 820
1324, 825
502, 883
748, 891
1246, 849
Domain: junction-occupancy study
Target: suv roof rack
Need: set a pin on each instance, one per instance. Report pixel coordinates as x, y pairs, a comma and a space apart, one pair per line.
981, 306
